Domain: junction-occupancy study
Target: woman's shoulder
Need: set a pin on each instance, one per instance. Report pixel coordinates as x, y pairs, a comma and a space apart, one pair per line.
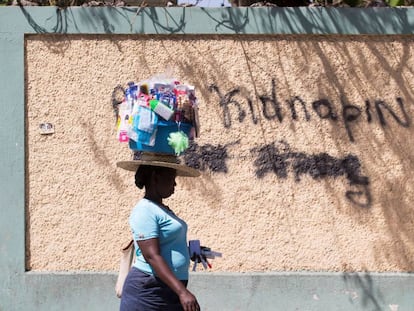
145, 206
142, 210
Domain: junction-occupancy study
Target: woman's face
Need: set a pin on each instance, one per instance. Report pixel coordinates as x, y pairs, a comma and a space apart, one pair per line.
165, 182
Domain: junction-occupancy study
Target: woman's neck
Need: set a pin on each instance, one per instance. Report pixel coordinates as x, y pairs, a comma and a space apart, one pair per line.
154, 199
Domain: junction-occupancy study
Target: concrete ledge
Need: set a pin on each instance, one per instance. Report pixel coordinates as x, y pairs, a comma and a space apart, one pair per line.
196, 20
227, 291
303, 291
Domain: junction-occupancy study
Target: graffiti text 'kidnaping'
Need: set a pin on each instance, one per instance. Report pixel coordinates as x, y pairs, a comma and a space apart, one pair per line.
272, 109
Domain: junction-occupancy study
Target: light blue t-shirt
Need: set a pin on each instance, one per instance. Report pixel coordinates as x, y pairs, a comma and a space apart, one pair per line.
148, 220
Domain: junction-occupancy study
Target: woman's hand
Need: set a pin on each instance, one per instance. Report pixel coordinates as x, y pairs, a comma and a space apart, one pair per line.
188, 301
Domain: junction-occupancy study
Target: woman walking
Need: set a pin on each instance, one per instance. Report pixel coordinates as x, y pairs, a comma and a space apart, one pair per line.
159, 276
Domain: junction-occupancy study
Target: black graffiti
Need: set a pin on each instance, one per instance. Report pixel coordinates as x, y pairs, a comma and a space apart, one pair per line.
323, 109
270, 105
292, 102
271, 159
272, 108
278, 160
207, 157
225, 101
361, 198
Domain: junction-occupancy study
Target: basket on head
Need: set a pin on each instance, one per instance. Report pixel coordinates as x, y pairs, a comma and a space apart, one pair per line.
158, 118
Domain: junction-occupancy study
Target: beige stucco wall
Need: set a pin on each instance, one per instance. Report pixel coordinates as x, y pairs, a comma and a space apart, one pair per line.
261, 219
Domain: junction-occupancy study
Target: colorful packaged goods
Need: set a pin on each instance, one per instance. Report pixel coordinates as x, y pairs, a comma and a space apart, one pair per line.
158, 115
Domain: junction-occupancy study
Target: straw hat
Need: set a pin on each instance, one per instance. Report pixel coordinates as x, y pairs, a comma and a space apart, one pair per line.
157, 159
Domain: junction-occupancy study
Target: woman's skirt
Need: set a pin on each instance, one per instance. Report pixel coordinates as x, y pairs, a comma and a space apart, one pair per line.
144, 292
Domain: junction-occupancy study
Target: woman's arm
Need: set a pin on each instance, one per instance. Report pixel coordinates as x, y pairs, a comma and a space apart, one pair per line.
151, 251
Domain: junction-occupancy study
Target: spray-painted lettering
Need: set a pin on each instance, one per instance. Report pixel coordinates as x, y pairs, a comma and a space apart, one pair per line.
280, 160
272, 109
207, 157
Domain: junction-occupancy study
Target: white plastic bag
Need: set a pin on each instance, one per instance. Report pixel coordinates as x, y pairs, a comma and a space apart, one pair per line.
127, 259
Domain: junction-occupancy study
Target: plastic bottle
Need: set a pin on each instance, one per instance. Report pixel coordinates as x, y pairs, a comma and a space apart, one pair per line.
161, 109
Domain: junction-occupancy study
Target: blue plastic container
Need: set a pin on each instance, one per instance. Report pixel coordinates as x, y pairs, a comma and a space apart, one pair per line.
164, 128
